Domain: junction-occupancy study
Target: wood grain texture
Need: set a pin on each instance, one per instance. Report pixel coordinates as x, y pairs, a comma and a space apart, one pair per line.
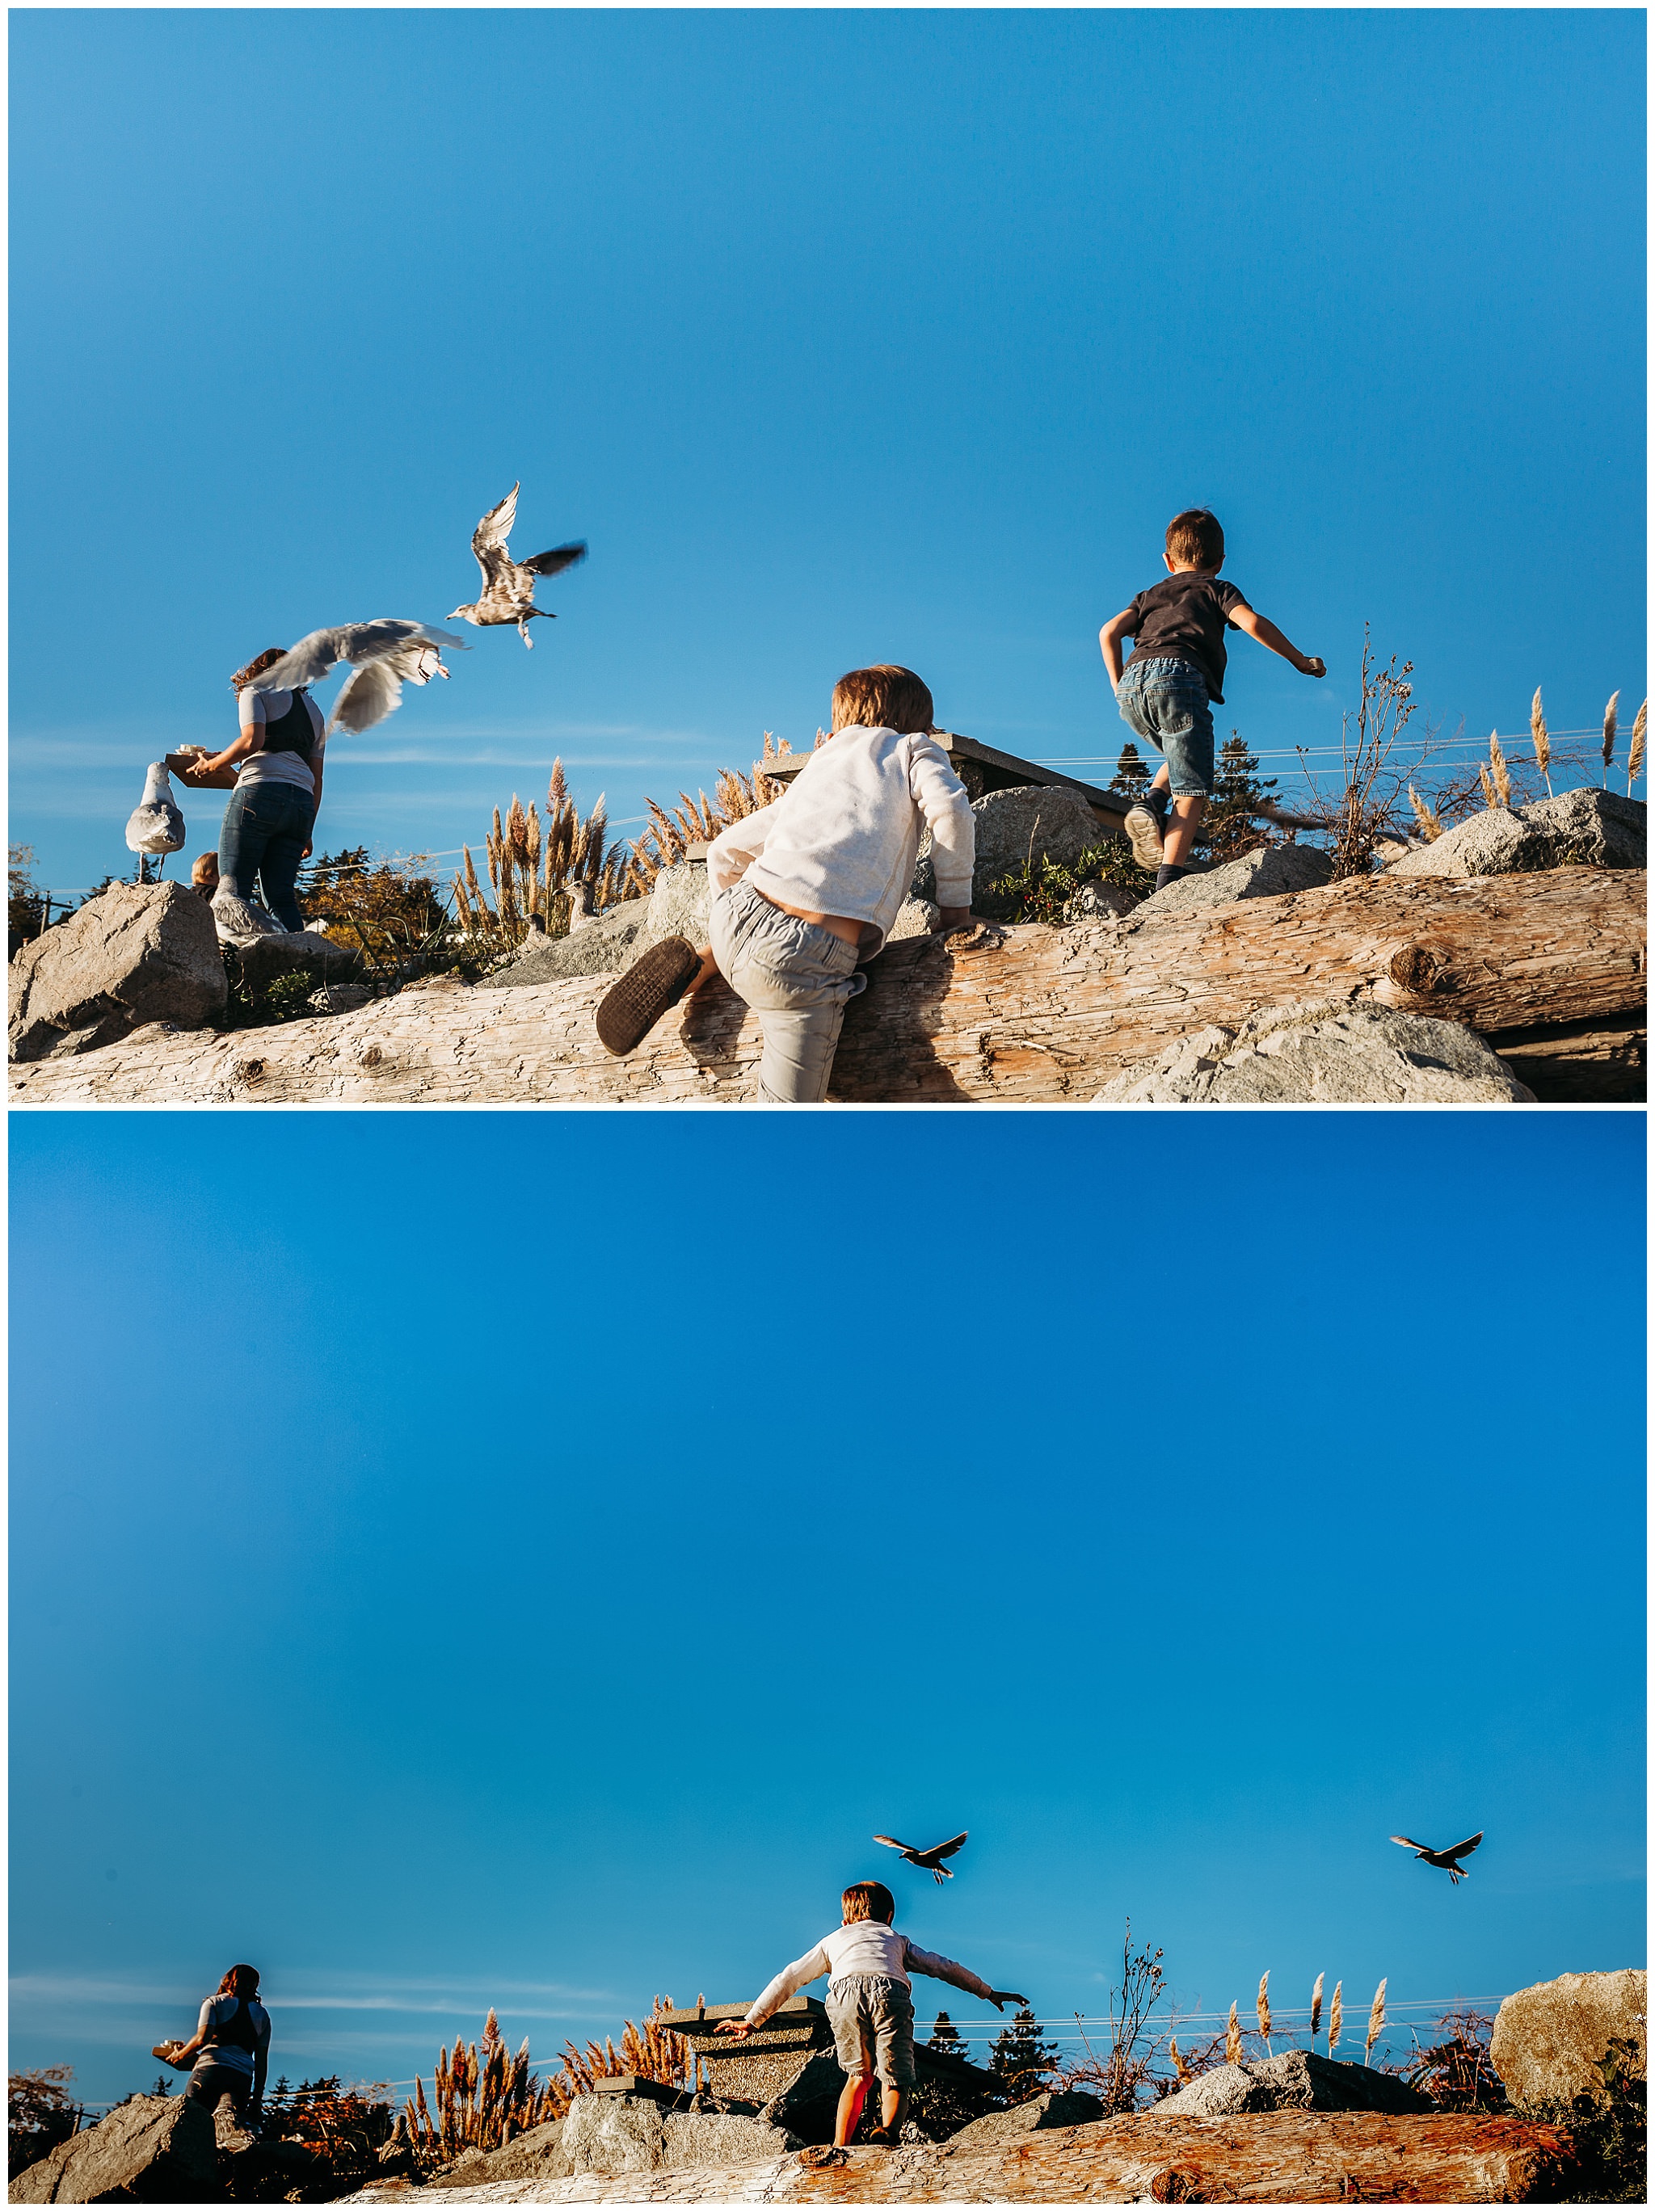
1027, 1015
1265, 2158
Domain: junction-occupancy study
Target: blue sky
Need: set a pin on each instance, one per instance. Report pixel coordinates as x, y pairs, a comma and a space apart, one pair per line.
841, 337
470, 1558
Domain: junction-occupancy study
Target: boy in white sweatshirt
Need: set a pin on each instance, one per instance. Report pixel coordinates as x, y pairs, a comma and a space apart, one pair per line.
806, 889
868, 2003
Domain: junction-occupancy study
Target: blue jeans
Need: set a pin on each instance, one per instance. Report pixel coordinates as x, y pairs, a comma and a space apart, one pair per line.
207, 2084
1166, 702
266, 828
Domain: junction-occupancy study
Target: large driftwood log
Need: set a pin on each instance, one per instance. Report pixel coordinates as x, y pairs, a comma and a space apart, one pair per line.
1266, 2158
1027, 1015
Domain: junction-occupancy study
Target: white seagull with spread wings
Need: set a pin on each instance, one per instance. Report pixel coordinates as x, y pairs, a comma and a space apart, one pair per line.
931, 1860
384, 655
508, 585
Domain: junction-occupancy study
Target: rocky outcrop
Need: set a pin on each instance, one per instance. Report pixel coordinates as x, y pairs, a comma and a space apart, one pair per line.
152, 2150
1593, 828
137, 953
1029, 822
610, 941
677, 903
1315, 1054
295, 952
638, 2135
1097, 901
536, 2155
1271, 2158
1550, 2041
1057, 2108
1271, 871
723, 2139
1293, 2081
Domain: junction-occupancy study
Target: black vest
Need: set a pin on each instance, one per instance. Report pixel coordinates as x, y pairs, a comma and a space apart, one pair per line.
294, 732
237, 2029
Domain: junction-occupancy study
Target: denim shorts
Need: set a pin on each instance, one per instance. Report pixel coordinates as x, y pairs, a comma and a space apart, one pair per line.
872, 2021
1166, 702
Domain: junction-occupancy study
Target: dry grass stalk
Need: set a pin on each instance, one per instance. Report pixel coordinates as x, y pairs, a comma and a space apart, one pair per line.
1429, 823
1542, 743
1315, 2007
1232, 2037
1264, 2009
1611, 724
1184, 2070
694, 821
1498, 769
1376, 2021
1635, 758
1489, 799
1336, 2018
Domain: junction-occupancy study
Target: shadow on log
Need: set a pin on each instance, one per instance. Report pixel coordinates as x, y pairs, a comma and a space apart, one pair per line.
1022, 1015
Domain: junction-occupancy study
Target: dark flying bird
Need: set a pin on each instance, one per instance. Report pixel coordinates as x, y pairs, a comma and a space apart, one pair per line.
384, 655
1448, 1859
931, 1860
508, 585
156, 823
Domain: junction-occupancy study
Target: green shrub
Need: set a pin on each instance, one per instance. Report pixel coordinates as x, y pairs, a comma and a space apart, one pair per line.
1040, 890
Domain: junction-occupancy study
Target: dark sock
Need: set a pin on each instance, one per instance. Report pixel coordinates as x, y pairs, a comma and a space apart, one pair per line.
1169, 873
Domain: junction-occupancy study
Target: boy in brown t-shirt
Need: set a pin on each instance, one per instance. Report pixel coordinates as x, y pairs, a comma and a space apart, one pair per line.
1168, 690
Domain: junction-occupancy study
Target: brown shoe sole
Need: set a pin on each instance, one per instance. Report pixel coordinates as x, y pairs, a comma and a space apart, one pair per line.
652, 987
1145, 832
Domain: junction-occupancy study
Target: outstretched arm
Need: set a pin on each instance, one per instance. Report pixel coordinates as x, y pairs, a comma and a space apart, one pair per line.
1257, 625
949, 1970
1109, 637
788, 1983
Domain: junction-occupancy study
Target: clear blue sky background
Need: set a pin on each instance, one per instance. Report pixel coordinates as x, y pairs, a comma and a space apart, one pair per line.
484, 1558
841, 337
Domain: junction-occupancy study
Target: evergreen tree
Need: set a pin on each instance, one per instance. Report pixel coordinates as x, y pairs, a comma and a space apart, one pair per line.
1228, 831
1021, 2059
946, 2037
1132, 774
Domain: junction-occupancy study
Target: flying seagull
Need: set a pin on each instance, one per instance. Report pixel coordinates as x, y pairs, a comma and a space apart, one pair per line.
508, 585
156, 823
1449, 1859
931, 1860
384, 655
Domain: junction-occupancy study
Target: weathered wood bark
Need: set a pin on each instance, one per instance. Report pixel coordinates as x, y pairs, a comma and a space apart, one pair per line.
1267, 2158
1033, 1014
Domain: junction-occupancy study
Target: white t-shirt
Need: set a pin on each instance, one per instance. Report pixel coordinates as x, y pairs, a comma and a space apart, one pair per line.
219, 2011
863, 1947
257, 707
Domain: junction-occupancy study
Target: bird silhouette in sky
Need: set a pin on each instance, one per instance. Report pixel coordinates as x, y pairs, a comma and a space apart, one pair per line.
508, 585
1449, 1860
931, 1860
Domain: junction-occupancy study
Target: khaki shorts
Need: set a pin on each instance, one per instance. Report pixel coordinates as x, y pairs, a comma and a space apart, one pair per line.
871, 2013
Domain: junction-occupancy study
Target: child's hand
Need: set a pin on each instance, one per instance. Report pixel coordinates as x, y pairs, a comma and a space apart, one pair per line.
735, 2027
1000, 1998
1314, 666
954, 917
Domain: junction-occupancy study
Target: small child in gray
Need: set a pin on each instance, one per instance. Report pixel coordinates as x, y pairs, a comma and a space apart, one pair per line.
869, 2003
805, 890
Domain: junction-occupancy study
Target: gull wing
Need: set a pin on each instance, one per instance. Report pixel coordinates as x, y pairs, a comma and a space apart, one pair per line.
310, 660
1464, 1850
489, 538
559, 559
947, 1851
1409, 1843
373, 692
893, 1844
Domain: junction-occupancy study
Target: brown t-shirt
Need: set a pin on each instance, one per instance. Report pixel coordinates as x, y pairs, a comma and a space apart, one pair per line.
1184, 617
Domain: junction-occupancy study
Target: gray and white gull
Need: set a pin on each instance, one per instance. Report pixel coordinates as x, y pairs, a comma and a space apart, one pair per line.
156, 822
383, 654
508, 585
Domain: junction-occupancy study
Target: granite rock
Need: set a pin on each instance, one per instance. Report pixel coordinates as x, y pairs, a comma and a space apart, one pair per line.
1271, 872
1031, 820
1057, 2108
1549, 2040
151, 2150
1495, 842
610, 941
614, 2135
678, 904
1600, 828
1300, 2079
137, 953
1360, 1055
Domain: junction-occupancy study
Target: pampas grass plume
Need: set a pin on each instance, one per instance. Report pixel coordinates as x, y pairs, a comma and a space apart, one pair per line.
1498, 769
1336, 2018
1635, 758
1609, 725
1233, 2038
1264, 2007
1489, 798
1430, 823
1542, 743
1315, 2007
1376, 2021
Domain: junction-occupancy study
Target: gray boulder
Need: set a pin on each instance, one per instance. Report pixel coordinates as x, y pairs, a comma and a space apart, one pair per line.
1101, 901
679, 902
1057, 2108
1301, 2080
723, 2139
1357, 1054
153, 2150
1600, 828
538, 2155
1031, 820
1549, 2040
610, 941
615, 2134
1496, 842
263, 959
138, 952
914, 918
338, 998
1271, 871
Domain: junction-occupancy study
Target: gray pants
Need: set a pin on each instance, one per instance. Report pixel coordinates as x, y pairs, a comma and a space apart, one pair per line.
797, 977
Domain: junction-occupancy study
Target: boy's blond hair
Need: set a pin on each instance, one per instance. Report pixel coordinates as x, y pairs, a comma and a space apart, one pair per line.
1196, 535
885, 697
868, 1900
203, 865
